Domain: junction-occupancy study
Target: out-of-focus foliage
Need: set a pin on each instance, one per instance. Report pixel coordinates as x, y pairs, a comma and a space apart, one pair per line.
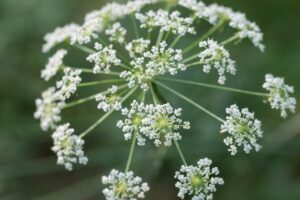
27, 166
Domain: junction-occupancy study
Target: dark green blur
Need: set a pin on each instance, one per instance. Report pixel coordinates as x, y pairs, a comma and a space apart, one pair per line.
27, 165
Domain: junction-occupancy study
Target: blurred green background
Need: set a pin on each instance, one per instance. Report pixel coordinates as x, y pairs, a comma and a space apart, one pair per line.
27, 166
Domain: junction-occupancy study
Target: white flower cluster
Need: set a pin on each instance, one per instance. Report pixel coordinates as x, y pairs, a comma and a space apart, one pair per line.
55, 62
159, 123
96, 21
216, 56
68, 84
279, 95
124, 186
59, 35
116, 33
104, 59
198, 181
243, 129
68, 147
158, 60
110, 101
48, 109
166, 21
215, 13
137, 47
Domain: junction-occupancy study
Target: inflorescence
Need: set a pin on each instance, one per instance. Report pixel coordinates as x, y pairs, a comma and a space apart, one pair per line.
137, 45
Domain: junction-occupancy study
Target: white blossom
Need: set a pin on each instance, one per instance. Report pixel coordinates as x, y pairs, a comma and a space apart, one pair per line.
158, 60
243, 129
246, 29
68, 84
279, 95
216, 56
59, 35
88, 31
68, 147
162, 123
48, 109
116, 33
124, 186
104, 58
199, 181
166, 21
133, 122
137, 47
197, 6
110, 100
54, 64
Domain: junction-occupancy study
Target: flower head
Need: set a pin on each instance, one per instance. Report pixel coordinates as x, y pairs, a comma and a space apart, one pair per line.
68, 147
243, 129
110, 100
48, 109
245, 29
123, 186
157, 60
162, 123
116, 33
104, 59
166, 21
68, 84
198, 181
54, 64
279, 94
216, 56
59, 35
133, 123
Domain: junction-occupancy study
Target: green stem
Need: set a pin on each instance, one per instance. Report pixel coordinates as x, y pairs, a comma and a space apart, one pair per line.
191, 58
180, 153
154, 97
85, 70
100, 82
231, 39
215, 86
175, 41
99, 121
131, 153
136, 31
89, 98
206, 35
191, 102
125, 66
159, 38
84, 48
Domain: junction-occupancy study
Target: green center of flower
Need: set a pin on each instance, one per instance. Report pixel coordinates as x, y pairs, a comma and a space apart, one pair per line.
197, 181
162, 123
121, 187
112, 99
136, 120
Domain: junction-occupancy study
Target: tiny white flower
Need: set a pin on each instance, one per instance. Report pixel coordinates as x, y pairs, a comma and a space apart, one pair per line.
216, 56
137, 47
157, 60
243, 129
59, 35
48, 109
199, 181
104, 58
166, 21
124, 186
116, 33
246, 29
88, 31
133, 122
109, 101
68, 84
279, 95
54, 64
162, 123
68, 147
